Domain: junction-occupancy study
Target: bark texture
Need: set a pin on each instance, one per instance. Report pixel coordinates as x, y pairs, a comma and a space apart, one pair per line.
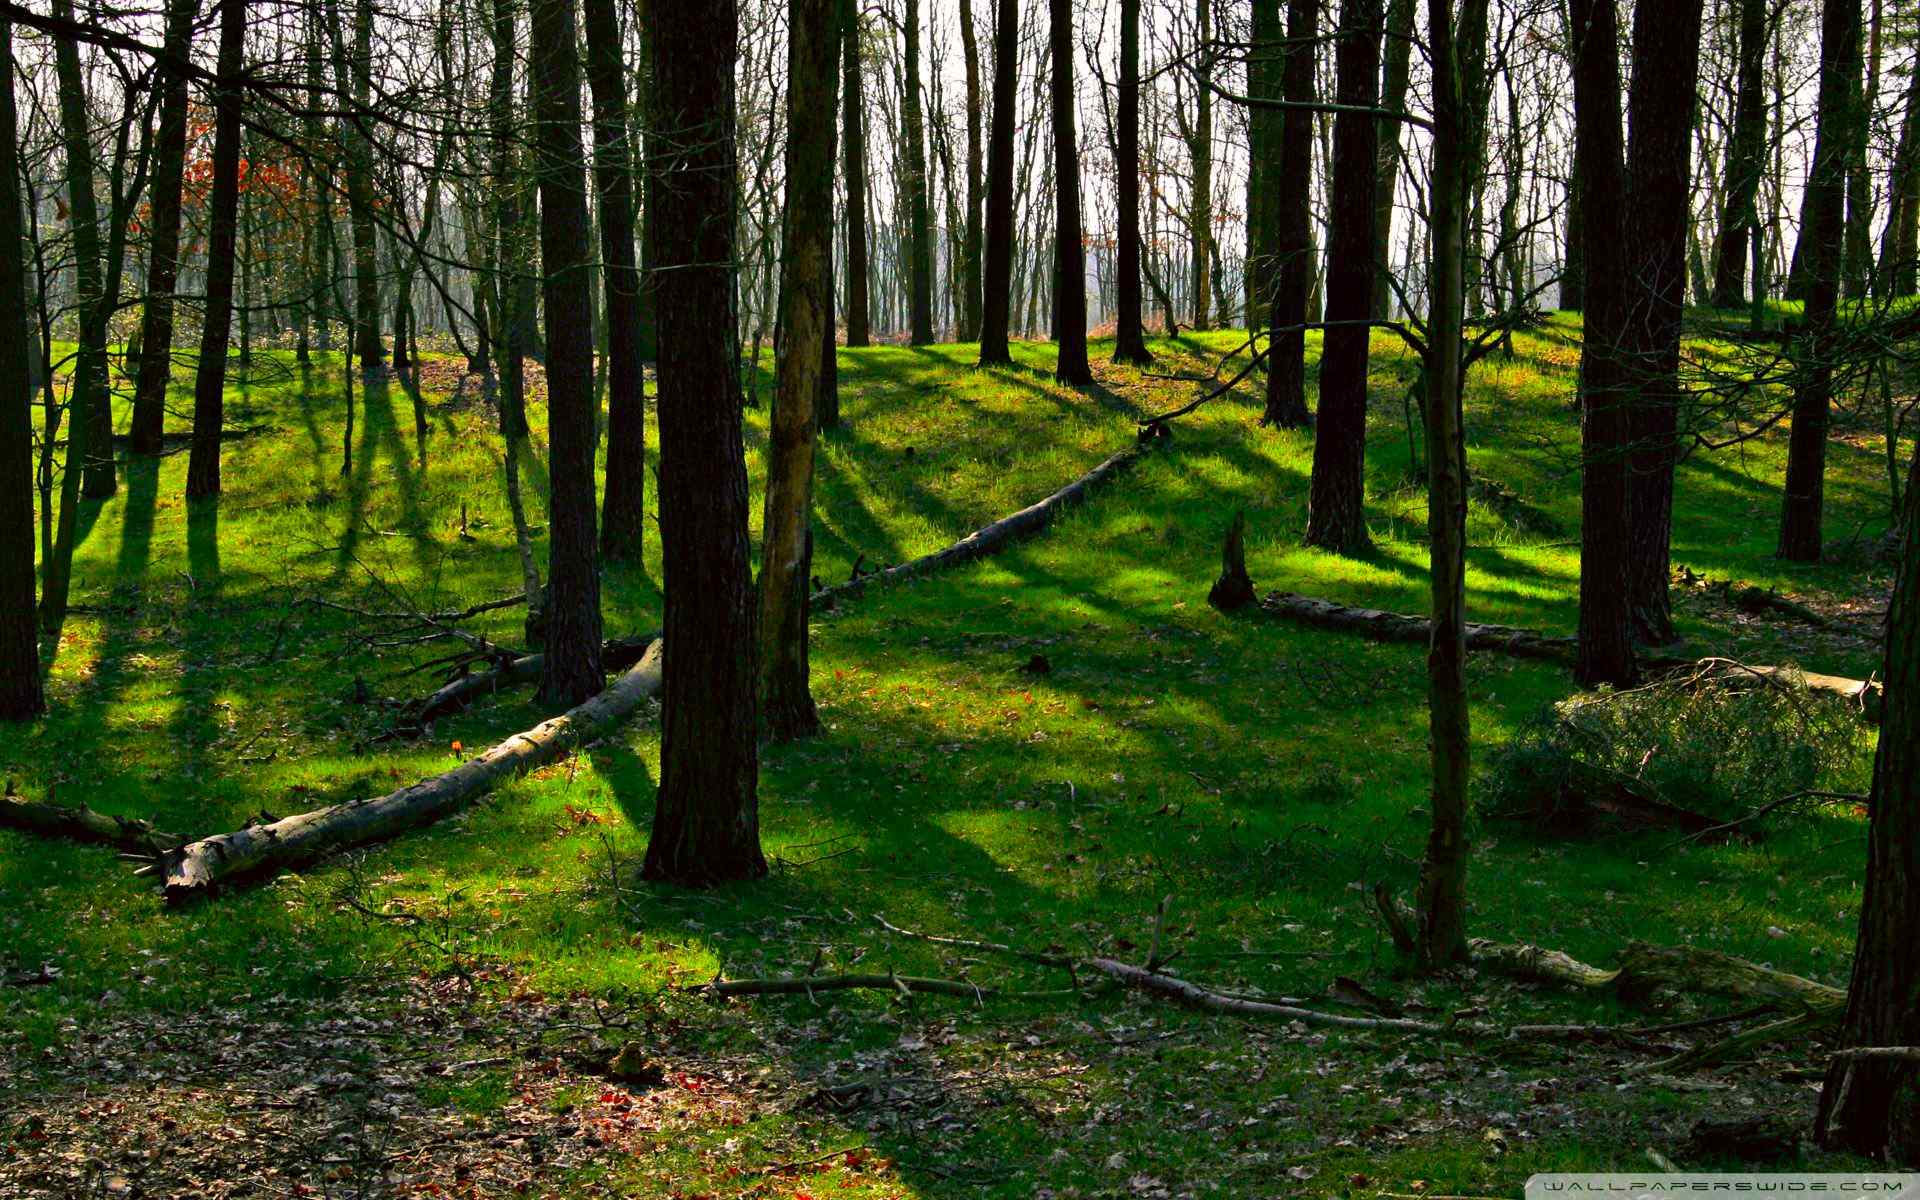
1070, 254
1293, 267
20, 691
163, 247
1129, 340
209, 387
996, 310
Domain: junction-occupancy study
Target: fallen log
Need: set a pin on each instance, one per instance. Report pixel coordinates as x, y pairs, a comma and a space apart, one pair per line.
992, 539
82, 824
200, 867
457, 694
1863, 694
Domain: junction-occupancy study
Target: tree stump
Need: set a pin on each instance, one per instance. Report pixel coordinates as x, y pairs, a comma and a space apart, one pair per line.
1233, 590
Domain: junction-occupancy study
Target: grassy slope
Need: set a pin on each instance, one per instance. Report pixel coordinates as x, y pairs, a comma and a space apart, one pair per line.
1257, 772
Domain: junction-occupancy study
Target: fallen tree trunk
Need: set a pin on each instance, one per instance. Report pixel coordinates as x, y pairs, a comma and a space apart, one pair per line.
82, 824
457, 694
1382, 626
998, 536
201, 866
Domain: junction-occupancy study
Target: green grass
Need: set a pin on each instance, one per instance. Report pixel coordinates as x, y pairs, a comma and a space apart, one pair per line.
1262, 775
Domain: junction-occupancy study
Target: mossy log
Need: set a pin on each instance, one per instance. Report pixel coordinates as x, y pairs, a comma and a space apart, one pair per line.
82, 824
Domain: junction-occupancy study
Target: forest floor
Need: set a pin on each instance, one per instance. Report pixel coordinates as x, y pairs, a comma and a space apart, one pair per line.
441, 1015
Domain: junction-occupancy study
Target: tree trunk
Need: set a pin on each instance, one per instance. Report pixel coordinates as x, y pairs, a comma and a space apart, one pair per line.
1397, 56
1200, 215
1573, 273
706, 826
854, 130
1442, 939
1129, 340
1872, 1106
1070, 255
1336, 504
573, 576
806, 286
1666, 57
209, 387
1264, 173
624, 511
1820, 254
20, 691
1287, 343
360, 198
90, 414
163, 261
1857, 259
1739, 216
1606, 644
997, 287
1900, 243
914, 178
969, 305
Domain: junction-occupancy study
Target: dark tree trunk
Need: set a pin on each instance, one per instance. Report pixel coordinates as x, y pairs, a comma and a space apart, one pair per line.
360, 199
914, 178
1287, 346
1200, 215
163, 261
1264, 173
624, 512
1573, 273
1070, 261
806, 290
1666, 70
969, 305
1397, 55
1129, 340
90, 415
1746, 159
859, 332
20, 693
572, 672
1872, 1107
1606, 644
209, 386
1820, 251
1900, 243
997, 287
706, 826
1857, 255
1336, 505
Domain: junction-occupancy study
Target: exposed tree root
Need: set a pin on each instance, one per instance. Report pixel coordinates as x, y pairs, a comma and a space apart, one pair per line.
82, 824
202, 866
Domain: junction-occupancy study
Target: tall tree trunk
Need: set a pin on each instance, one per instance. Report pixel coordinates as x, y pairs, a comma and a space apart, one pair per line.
210, 382
90, 415
1070, 254
1900, 242
1872, 1106
163, 261
1200, 215
572, 670
1666, 72
1857, 262
1606, 644
854, 122
997, 286
1573, 273
1264, 173
706, 825
20, 692
360, 198
1442, 937
1397, 55
624, 512
969, 305
1822, 238
1287, 345
806, 290
1746, 158
1129, 340
919, 226
510, 304
1336, 504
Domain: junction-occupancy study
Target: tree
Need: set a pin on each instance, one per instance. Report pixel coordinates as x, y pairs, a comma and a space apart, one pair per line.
624, 511
1129, 341
1666, 70
914, 181
855, 171
1336, 504
1746, 160
1395, 73
1900, 241
968, 306
1287, 344
1264, 57
91, 418
353, 73
806, 288
20, 692
1872, 1106
1820, 253
997, 287
1070, 261
1200, 148
572, 669
706, 825
216, 325
163, 253
1605, 643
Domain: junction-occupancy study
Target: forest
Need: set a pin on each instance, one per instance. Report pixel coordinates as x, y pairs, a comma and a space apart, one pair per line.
921, 599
